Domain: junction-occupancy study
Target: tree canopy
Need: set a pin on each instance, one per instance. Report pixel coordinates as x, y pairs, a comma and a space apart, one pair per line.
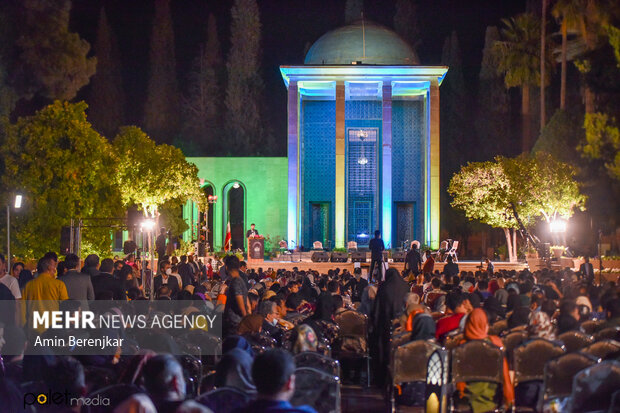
499, 193
65, 170
151, 175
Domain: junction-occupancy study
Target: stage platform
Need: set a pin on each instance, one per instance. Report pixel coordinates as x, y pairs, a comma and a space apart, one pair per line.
323, 267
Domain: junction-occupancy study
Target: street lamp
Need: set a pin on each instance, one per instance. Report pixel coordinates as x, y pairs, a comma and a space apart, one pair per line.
17, 205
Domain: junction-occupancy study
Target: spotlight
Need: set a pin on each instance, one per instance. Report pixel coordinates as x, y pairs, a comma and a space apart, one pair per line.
147, 224
558, 225
236, 185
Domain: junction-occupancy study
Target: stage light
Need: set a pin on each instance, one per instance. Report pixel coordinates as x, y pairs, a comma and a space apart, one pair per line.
147, 224
236, 185
18, 201
558, 225
362, 161
362, 235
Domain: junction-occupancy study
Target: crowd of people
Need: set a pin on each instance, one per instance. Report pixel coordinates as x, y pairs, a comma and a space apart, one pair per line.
270, 315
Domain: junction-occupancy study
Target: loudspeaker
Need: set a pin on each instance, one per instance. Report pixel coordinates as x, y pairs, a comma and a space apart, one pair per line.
320, 256
358, 256
65, 240
399, 256
340, 257
129, 247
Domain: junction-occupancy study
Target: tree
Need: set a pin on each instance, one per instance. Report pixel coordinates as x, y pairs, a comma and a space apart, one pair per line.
244, 82
65, 170
162, 101
493, 108
406, 22
571, 14
353, 10
602, 142
509, 192
52, 61
151, 175
517, 59
202, 99
106, 97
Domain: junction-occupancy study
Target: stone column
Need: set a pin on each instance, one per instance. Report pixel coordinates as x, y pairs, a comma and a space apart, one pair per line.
434, 164
386, 166
293, 165
340, 198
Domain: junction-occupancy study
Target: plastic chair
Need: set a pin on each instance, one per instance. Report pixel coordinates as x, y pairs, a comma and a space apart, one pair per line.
317, 389
602, 349
317, 245
529, 361
352, 246
467, 366
318, 361
224, 399
496, 328
575, 340
409, 364
591, 326
593, 386
560, 371
353, 324
512, 341
399, 339
611, 333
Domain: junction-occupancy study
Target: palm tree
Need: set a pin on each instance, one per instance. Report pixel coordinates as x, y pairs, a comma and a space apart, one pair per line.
571, 13
518, 60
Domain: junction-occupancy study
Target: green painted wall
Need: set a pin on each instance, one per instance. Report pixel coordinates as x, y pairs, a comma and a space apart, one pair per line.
265, 182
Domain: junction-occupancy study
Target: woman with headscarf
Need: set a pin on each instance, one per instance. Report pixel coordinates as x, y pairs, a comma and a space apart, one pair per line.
235, 370
389, 304
481, 395
423, 327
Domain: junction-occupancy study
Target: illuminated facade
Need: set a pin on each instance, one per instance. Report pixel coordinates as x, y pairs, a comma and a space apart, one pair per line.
363, 150
363, 141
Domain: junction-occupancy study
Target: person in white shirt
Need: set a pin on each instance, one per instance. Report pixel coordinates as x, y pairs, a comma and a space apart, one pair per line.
7, 279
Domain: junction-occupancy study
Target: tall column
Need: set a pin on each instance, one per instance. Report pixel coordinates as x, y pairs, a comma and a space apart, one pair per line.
434, 164
293, 164
386, 165
340, 222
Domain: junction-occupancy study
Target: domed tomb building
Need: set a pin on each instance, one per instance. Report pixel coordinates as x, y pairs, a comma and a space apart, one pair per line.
363, 141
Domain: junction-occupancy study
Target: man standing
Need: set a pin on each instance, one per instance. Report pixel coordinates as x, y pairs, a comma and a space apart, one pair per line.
79, 285
42, 292
451, 268
105, 281
237, 305
160, 243
376, 255
9, 280
252, 232
586, 271
413, 260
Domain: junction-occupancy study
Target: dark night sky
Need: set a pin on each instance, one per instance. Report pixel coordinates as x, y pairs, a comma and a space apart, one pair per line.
287, 26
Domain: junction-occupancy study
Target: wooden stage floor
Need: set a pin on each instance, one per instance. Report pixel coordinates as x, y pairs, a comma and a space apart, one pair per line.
323, 267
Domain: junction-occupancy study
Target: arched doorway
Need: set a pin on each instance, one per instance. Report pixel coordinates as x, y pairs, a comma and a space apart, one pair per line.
234, 211
206, 225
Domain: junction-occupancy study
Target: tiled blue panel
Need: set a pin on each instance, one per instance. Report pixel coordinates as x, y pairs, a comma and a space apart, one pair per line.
408, 158
318, 160
362, 109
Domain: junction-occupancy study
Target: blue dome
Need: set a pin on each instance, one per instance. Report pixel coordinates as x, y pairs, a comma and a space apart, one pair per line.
346, 45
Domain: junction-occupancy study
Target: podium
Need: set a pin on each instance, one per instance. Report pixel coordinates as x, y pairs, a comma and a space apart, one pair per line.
256, 250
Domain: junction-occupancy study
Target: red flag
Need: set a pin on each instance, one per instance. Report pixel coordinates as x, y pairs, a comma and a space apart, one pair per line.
228, 238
